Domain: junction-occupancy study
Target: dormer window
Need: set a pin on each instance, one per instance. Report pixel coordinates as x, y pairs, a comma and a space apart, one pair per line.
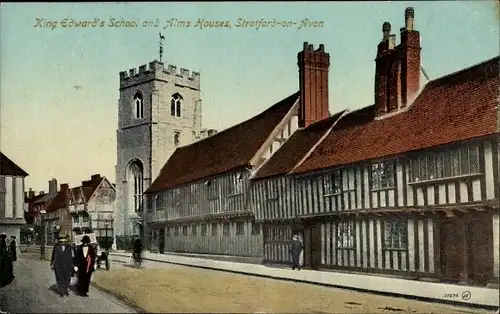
138, 105
176, 105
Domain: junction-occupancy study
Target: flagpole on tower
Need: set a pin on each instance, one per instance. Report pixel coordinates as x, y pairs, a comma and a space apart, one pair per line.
162, 38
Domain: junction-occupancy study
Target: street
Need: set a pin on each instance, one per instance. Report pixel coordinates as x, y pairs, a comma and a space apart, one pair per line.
30, 293
166, 288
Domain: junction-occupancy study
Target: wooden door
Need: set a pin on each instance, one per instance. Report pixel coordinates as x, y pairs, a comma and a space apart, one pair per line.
312, 246
452, 250
479, 251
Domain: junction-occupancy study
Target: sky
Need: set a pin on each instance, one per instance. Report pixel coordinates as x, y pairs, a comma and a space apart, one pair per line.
59, 86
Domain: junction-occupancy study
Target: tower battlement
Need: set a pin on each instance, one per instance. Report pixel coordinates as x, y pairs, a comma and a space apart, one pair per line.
156, 69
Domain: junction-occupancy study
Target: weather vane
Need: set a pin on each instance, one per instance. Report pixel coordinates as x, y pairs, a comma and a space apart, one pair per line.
162, 38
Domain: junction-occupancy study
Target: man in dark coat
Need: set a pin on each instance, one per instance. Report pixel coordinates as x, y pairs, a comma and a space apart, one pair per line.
62, 264
296, 250
84, 259
6, 269
13, 248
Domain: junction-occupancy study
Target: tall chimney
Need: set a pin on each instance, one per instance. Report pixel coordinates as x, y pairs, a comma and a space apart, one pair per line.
382, 63
53, 186
397, 68
313, 84
410, 59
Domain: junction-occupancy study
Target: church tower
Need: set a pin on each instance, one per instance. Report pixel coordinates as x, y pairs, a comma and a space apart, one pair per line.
159, 109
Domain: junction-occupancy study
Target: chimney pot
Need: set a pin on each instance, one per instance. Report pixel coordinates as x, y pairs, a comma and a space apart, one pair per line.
306, 44
392, 41
322, 48
311, 48
386, 30
409, 16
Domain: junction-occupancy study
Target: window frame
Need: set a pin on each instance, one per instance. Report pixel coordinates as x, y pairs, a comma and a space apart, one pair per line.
400, 225
332, 183
383, 175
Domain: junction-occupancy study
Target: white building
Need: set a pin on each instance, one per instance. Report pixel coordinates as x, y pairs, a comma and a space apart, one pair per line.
11, 197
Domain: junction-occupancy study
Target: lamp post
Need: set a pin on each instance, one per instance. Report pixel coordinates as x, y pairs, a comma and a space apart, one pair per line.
106, 224
44, 238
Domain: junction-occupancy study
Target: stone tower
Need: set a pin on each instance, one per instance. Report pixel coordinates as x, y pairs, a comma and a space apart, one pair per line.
159, 109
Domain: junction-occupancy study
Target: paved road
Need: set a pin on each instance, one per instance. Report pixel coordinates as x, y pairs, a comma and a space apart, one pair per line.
30, 293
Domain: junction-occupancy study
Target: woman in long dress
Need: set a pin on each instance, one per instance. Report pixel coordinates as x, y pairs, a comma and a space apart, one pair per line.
6, 269
84, 260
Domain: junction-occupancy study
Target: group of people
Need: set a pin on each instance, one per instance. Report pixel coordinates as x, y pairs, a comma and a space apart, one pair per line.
8, 255
68, 261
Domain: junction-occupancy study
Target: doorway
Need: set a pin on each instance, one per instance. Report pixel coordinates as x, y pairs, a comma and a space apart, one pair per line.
312, 246
466, 248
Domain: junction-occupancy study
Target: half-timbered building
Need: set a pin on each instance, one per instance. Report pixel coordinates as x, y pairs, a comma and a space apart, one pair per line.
200, 202
408, 186
91, 206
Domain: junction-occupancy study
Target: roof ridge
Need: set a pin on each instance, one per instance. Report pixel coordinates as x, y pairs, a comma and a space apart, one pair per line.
219, 133
463, 70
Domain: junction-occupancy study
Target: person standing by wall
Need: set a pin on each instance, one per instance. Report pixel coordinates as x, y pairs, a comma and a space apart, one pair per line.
296, 250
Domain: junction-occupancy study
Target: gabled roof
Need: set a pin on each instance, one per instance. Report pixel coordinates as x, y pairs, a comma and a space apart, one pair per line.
86, 190
295, 148
227, 150
452, 108
9, 168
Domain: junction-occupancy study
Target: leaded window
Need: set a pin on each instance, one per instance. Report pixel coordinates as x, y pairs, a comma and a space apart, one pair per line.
395, 234
383, 174
345, 234
332, 182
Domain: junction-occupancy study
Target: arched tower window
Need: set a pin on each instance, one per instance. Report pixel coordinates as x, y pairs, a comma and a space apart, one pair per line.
135, 178
177, 136
139, 105
176, 105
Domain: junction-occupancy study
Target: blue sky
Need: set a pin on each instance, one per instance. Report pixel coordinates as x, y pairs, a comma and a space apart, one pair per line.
52, 129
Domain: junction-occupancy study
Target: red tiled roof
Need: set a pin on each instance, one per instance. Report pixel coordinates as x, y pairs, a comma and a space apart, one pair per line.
455, 107
9, 168
295, 148
61, 199
227, 150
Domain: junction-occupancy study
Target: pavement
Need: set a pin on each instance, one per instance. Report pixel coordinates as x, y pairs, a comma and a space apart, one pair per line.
428, 291
30, 292
267, 295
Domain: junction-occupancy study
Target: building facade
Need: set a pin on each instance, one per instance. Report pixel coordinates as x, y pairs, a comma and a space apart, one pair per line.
11, 197
159, 109
203, 205
408, 186
91, 206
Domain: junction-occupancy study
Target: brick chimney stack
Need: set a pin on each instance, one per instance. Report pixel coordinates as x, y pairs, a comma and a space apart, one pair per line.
410, 50
397, 68
64, 187
313, 83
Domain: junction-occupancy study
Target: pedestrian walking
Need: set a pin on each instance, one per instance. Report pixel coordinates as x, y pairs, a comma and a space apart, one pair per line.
85, 260
296, 250
62, 264
6, 269
13, 248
